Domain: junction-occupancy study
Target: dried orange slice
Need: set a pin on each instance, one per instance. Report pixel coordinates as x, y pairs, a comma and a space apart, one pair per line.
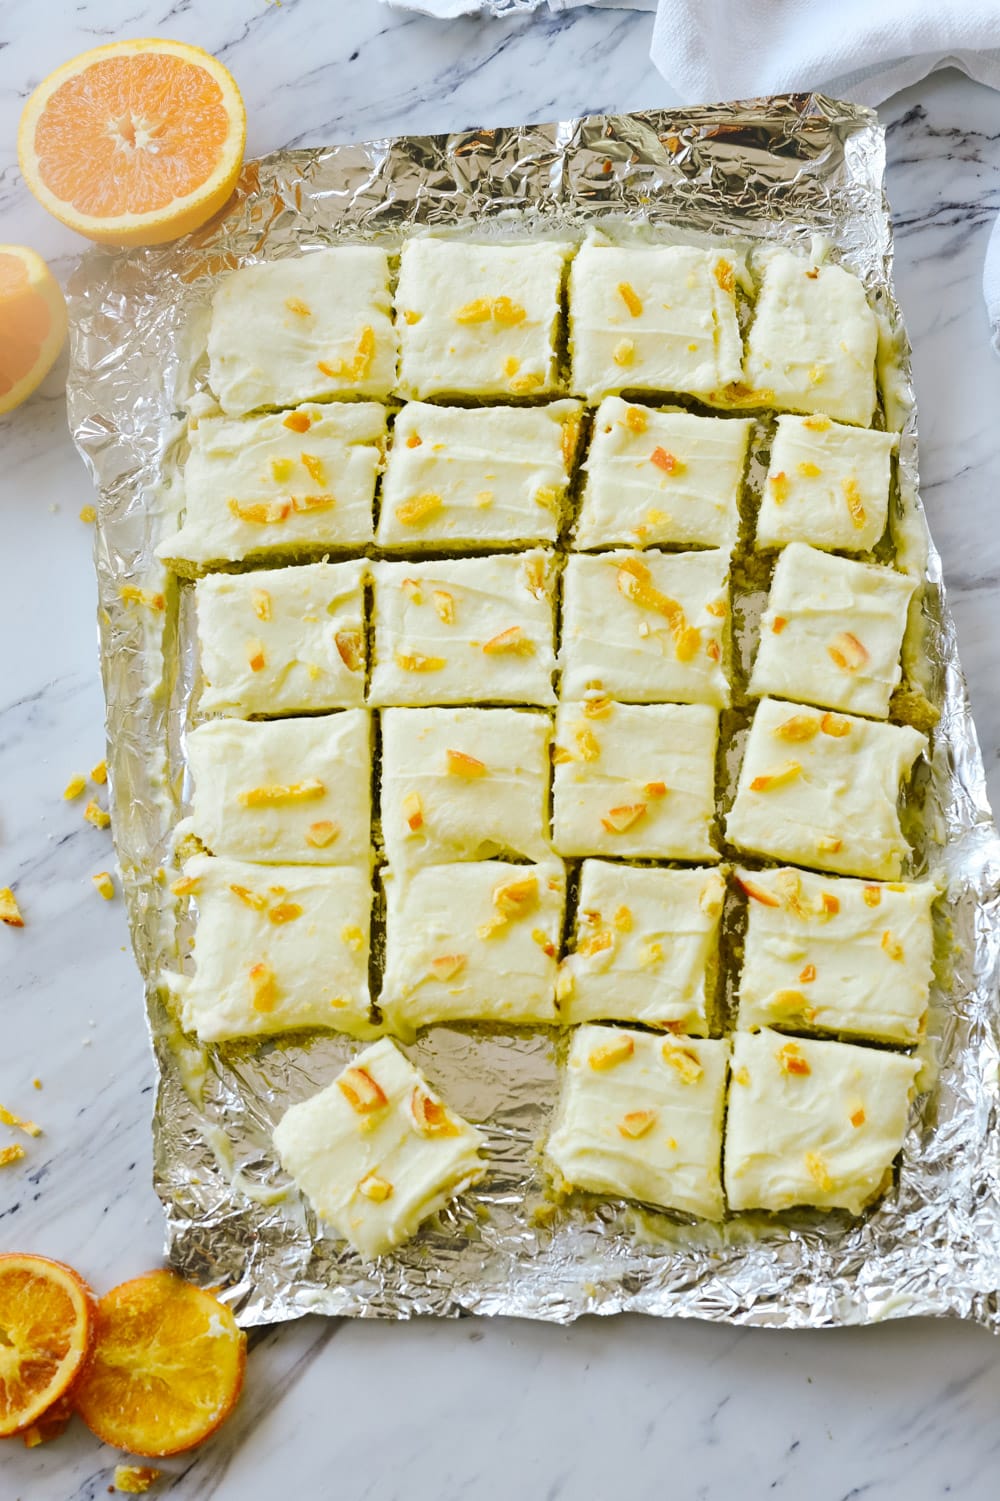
166, 1368
46, 1324
32, 323
134, 143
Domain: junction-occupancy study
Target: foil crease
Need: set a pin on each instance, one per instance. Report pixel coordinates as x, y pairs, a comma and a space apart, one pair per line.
781, 170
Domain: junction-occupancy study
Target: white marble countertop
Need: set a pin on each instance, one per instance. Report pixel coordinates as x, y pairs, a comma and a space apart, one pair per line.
446, 1410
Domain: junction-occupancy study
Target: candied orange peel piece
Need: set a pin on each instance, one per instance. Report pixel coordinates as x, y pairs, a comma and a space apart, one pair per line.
413, 811
136, 1480
260, 512
350, 649
758, 893
799, 727
619, 820
263, 987
97, 815
777, 778
288, 792
104, 884
362, 1092
630, 297
779, 487
835, 725
297, 422
419, 509
376, 1188
637, 1123
847, 652
791, 1061
429, 1115
461, 765
818, 1172
447, 966
10, 912
668, 462
415, 661
852, 495
892, 947
511, 642
610, 1054
684, 1062
358, 366
637, 420
872, 895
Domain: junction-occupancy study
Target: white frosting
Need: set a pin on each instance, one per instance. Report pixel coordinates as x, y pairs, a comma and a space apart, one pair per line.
815, 1123
376, 1175
645, 627
277, 324
472, 942
288, 948
832, 955
812, 343
657, 318
282, 640
464, 784
472, 476
642, 1126
655, 477
290, 791
832, 632
467, 630
260, 487
645, 941
478, 320
826, 484
635, 781
822, 789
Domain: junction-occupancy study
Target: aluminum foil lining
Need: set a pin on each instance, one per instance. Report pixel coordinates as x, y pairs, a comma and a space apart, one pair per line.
778, 170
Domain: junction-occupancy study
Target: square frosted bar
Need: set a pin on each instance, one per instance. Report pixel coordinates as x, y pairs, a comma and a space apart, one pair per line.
661, 477
822, 790
479, 320
286, 484
832, 632
645, 628
464, 784
826, 484
471, 477
653, 318
635, 781
645, 948
813, 1123
378, 1151
640, 1117
464, 630
304, 328
812, 342
285, 791
282, 640
826, 954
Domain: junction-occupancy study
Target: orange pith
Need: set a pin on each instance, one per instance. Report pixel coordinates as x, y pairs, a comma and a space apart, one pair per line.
166, 1367
134, 143
32, 323
46, 1324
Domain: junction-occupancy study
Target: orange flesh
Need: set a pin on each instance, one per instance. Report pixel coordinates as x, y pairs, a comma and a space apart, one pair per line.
25, 321
45, 1327
130, 135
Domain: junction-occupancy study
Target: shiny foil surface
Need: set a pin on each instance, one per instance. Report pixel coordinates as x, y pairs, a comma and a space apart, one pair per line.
781, 171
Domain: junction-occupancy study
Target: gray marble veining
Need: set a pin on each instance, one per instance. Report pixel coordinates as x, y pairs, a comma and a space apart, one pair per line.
447, 1410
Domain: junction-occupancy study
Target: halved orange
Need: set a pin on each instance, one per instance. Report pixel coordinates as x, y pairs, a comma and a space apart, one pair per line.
134, 143
166, 1367
46, 1324
32, 323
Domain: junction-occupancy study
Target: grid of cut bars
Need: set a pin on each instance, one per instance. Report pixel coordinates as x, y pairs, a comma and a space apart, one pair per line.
507, 608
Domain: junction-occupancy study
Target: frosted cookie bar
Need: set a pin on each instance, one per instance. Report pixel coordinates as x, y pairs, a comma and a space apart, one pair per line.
288, 791
645, 627
812, 343
822, 789
813, 1123
277, 947
478, 320
645, 949
640, 1117
378, 1151
472, 942
832, 632
294, 482
635, 780
475, 476
659, 318
305, 328
832, 955
282, 640
826, 484
655, 477
464, 784
471, 630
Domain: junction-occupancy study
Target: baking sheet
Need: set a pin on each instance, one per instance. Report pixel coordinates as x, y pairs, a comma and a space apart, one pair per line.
782, 170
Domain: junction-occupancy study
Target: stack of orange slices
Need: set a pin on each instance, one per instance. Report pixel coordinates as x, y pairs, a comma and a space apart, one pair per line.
154, 1367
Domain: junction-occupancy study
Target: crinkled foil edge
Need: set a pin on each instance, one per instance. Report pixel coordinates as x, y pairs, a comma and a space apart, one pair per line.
783, 170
